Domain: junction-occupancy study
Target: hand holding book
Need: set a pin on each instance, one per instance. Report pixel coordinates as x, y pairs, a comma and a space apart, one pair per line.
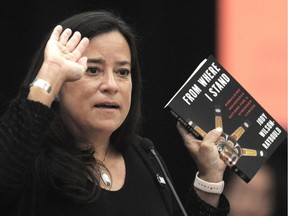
212, 98
205, 153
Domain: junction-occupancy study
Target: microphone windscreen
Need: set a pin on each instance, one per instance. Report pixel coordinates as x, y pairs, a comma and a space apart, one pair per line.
147, 144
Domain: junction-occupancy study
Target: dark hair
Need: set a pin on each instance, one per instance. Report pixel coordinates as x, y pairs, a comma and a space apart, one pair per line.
62, 152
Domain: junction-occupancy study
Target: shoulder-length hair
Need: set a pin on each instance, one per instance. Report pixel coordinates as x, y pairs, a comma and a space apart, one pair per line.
61, 153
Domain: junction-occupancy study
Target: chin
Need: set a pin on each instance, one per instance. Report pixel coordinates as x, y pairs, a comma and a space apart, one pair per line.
108, 127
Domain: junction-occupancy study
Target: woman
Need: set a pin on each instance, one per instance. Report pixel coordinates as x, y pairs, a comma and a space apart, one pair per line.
68, 143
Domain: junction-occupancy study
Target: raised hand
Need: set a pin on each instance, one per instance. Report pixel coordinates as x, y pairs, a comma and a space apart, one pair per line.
63, 53
63, 61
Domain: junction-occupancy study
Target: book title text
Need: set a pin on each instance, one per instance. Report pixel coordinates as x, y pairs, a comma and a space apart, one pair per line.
206, 78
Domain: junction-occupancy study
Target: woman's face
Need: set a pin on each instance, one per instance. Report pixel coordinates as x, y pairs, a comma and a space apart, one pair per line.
99, 102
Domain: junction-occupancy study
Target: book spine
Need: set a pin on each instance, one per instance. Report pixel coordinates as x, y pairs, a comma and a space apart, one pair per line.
240, 173
190, 126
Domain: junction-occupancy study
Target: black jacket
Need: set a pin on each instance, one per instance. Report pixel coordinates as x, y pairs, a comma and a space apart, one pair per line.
23, 129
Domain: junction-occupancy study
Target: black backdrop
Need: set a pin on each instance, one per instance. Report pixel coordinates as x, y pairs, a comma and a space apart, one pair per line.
174, 36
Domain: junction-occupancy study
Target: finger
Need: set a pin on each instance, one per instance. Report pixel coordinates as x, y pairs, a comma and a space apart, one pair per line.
81, 47
73, 41
64, 37
183, 131
56, 32
190, 141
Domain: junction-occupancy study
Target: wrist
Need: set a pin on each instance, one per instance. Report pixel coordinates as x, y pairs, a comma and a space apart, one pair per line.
211, 176
42, 84
214, 187
46, 85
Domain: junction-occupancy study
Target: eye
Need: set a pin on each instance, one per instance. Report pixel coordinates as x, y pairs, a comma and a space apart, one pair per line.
123, 72
93, 70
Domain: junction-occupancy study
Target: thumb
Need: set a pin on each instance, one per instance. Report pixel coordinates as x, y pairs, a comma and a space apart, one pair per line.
213, 135
78, 69
83, 62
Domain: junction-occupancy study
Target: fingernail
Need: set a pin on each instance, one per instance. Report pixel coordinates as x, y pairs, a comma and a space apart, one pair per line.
219, 129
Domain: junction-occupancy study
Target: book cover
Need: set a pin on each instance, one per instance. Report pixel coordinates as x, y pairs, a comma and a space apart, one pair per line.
212, 98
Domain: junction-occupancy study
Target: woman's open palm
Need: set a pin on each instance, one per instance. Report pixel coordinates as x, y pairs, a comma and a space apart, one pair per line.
65, 52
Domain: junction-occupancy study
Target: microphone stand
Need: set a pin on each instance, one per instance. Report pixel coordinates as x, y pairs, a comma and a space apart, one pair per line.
169, 182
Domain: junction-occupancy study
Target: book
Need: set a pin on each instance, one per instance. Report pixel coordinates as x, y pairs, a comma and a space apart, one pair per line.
212, 98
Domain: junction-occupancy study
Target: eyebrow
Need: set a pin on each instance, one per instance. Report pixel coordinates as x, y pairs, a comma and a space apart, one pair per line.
102, 61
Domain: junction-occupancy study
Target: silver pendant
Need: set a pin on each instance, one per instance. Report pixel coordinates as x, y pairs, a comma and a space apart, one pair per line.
106, 179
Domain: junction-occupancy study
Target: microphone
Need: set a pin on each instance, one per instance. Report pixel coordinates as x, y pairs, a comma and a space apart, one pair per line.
149, 147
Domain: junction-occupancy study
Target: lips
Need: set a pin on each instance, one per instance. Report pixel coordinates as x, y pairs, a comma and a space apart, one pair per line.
107, 105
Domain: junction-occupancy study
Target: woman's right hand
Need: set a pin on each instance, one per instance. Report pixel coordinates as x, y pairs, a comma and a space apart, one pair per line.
63, 54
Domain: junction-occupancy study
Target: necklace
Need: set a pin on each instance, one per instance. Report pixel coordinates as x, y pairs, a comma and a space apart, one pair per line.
105, 173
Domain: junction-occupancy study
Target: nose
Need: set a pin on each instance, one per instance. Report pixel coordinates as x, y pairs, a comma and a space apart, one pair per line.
109, 83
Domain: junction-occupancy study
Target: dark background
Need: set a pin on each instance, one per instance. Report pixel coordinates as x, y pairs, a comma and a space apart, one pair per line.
174, 36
